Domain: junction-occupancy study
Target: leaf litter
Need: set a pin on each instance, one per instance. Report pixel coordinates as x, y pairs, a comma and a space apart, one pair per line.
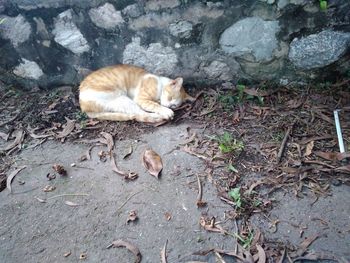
133, 249
152, 162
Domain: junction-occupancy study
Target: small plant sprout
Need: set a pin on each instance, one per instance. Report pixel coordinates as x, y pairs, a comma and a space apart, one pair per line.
231, 168
323, 5
227, 144
235, 194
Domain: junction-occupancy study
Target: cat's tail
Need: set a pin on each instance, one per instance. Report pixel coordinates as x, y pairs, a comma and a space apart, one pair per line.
117, 116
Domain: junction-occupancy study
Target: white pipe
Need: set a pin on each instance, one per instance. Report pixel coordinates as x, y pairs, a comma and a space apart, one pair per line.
339, 133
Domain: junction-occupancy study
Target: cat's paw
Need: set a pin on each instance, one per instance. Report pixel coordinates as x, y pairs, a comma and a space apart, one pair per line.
167, 113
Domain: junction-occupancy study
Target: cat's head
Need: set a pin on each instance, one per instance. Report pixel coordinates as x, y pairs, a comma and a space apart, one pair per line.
173, 94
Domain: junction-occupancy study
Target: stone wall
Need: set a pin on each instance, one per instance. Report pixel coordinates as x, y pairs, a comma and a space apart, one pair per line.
48, 43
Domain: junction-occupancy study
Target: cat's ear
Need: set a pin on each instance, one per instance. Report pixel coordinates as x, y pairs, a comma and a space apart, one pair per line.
177, 83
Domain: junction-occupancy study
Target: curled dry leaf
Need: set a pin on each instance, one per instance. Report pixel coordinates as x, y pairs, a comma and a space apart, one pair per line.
152, 162
130, 150
128, 246
210, 225
127, 175
132, 216
59, 169
83, 256
332, 156
49, 188
102, 155
11, 176
68, 128
109, 139
17, 142
261, 254
50, 176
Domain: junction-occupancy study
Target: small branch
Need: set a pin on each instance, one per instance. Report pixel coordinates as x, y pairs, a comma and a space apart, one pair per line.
284, 142
127, 200
55, 196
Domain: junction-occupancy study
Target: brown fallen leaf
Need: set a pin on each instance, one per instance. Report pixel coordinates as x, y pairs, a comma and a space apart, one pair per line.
132, 216
261, 253
128, 246
256, 93
332, 156
163, 255
109, 139
68, 128
102, 155
305, 244
127, 175
69, 203
210, 225
344, 169
83, 256
152, 162
49, 188
59, 169
309, 148
167, 216
11, 176
50, 176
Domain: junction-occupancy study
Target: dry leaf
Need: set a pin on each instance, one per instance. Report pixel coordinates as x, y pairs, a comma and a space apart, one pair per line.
254, 92
167, 216
129, 246
68, 128
163, 255
343, 169
11, 176
71, 203
18, 140
130, 150
102, 155
152, 162
132, 216
49, 188
309, 148
82, 256
4, 136
67, 254
127, 175
333, 156
50, 176
109, 139
210, 225
261, 253
59, 169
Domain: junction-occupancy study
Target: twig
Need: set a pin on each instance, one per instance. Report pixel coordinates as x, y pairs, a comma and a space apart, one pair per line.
10, 120
55, 196
127, 200
200, 202
283, 144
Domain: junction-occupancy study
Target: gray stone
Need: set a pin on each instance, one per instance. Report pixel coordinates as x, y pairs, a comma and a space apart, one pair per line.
318, 50
270, 2
28, 69
181, 29
36, 4
199, 12
155, 5
133, 11
106, 16
68, 35
155, 58
252, 36
41, 28
154, 20
218, 70
16, 29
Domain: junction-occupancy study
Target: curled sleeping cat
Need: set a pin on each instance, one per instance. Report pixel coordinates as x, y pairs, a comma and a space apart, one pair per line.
125, 92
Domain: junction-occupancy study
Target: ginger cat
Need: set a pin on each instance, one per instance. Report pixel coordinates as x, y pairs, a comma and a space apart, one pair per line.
125, 92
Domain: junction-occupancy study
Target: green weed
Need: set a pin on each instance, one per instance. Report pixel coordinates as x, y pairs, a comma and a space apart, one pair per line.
227, 144
235, 194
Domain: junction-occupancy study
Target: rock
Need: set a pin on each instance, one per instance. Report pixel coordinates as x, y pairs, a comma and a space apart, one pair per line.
154, 20
16, 29
106, 16
68, 35
36, 4
218, 70
133, 11
181, 29
198, 12
41, 28
318, 50
155, 58
28, 69
252, 36
155, 5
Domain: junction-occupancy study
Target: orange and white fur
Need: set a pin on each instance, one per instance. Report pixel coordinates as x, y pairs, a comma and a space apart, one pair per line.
125, 92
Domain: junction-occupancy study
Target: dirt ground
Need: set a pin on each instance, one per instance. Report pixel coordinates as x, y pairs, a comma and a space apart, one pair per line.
274, 187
